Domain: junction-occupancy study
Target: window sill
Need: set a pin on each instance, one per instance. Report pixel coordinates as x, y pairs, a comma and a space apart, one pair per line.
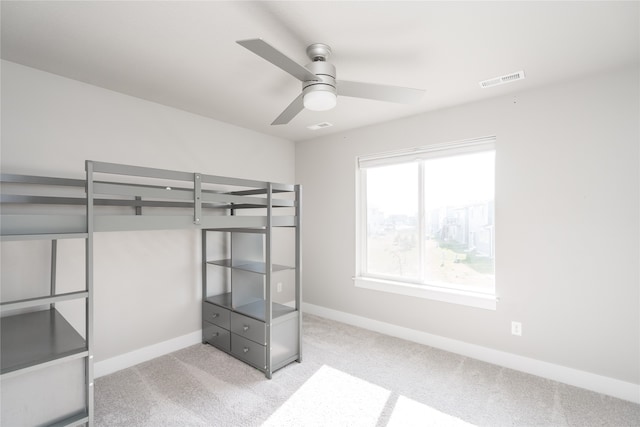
454, 296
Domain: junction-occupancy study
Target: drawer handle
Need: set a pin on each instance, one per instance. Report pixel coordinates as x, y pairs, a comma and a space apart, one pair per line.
245, 350
216, 334
214, 315
245, 328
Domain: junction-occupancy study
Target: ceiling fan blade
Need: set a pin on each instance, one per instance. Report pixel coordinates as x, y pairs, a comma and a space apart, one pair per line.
290, 112
402, 95
277, 58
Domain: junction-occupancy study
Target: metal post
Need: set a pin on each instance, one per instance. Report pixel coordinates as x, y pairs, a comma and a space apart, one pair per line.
197, 194
89, 299
204, 275
138, 207
54, 265
268, 271
298, 250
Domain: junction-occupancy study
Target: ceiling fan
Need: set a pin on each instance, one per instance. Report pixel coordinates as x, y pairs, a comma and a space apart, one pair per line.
319, 85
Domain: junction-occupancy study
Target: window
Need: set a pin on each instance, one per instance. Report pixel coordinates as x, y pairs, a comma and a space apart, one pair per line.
427, 222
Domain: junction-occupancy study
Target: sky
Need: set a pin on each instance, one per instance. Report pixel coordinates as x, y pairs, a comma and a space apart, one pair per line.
448, 181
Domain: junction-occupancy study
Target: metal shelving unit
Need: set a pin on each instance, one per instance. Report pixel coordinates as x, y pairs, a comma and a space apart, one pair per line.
35, 336
239, 315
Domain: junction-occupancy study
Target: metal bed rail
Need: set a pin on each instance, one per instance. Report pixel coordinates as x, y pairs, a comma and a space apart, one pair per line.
38, 207
128, 197
166, 199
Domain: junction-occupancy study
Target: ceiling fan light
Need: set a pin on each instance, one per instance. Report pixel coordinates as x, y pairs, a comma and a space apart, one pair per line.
319, 100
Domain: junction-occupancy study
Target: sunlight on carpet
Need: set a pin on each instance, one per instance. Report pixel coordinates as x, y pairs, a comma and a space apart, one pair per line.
334, 398
408, 413
331, 398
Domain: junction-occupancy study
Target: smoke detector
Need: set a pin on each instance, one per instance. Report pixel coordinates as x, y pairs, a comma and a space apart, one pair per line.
507, 78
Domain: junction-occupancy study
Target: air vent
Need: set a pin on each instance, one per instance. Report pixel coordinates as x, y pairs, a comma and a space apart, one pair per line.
518, 75
320, 126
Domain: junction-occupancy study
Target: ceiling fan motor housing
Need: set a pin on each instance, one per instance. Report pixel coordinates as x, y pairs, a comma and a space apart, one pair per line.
318, 52
326, 74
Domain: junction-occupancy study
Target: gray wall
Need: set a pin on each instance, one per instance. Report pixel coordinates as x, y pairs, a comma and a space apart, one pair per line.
147, 284
567, 206
567, 232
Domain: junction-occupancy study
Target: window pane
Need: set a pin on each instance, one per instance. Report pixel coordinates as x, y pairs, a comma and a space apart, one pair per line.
392, 221
459, 225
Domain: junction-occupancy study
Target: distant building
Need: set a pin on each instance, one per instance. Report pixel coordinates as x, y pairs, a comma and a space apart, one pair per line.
470, 227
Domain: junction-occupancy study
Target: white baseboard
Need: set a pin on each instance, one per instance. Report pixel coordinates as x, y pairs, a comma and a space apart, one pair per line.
126, 360
598, 383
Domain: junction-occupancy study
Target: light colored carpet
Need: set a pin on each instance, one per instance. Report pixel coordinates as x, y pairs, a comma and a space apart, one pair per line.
348, 377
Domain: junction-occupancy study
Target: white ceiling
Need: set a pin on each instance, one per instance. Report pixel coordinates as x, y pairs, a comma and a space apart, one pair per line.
183, 54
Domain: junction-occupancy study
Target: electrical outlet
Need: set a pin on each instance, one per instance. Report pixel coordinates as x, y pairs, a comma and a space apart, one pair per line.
516, 328
279, 287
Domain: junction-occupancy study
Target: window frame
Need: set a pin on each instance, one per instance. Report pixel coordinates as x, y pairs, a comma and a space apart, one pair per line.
363, 279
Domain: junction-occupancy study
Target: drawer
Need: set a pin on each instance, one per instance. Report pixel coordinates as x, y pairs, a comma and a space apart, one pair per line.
216, 336
249, 351
215, 314
248, 328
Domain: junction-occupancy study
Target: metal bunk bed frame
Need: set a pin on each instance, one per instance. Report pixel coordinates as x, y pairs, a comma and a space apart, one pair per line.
116, 197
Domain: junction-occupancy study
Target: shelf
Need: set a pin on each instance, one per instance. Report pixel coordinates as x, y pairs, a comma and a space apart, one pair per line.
255, 309
223, 300
38, 337
252, 266
81, 418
